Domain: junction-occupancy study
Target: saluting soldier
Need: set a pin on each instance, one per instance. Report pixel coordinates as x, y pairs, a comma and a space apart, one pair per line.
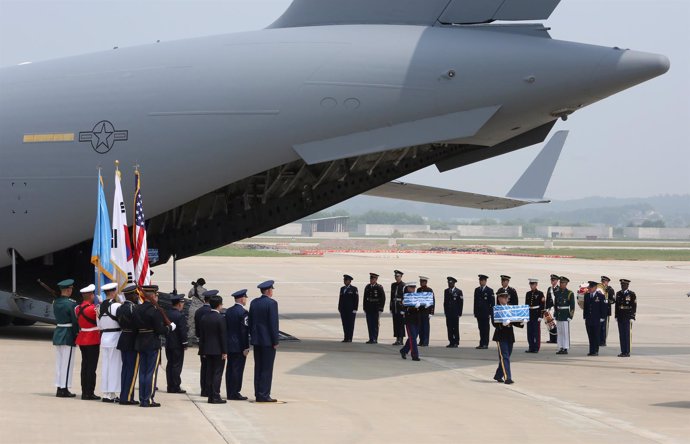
237, 321
626, 308
550, 298
264, 334
150, 327
610, 295
88, 340
453, 301
111, 357
565, 309
396, 307
373, 303
412, 314
537, 302
505, 338
594, 314
348, 304
198, 316
63, 338
484, 302
512, 293
425, 313
176, 342
213, 344
130, 357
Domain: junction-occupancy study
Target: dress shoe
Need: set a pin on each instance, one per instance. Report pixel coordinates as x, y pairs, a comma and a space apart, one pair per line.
450, 346
108, 400
180, 391
129, 402
498, 379
416, 359
371, 342
266, 400
344, 340
376, 342
90, 397
154, 404
237, 397
602, 345
423, 345
592, 354
403, 354
509, 381
552, 342
64, 393
560, 352
530, 351
217, 401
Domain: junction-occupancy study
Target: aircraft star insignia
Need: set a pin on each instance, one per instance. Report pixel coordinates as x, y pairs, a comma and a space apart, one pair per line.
103, 136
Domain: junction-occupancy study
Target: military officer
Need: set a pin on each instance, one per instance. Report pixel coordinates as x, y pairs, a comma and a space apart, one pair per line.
512, 293
412, 314
396, 307
150, 327
264, 335
373, 302
348, 304
425, 313
484, 302
453, 300
565, 309
626, 308
594, 314
550, 298
111, 357
536, 301
176, 342
63, 338
610, 296
213, 344
198, 315
88, 340
505, 338
130, 357
237, 322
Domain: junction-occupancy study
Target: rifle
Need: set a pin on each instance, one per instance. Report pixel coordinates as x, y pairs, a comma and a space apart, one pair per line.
52, 292
166, 320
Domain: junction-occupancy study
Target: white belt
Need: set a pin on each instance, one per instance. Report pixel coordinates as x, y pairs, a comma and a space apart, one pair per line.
64, 325
563, 308
89, 329
534, 307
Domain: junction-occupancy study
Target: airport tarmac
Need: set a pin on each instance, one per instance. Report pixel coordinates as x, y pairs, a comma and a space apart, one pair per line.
358, 393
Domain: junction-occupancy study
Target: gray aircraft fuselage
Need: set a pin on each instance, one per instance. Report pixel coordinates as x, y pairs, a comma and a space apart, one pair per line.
196, 115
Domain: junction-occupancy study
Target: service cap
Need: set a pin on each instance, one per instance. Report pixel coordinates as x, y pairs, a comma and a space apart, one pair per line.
501, 292
88, 289
240, 293
347, 277
398, 273
131, 288
625, 281
555, 277
533, 280
110, 286
451, 279
423, 278
66, 283
505, 277
591, 284
265, 285
175, 298
606, 278
564, 279
411, 284
149, 288
373, 276
483, 277
209, 293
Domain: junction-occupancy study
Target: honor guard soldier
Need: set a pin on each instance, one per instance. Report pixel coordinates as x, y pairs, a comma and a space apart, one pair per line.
264, 334
111, 357
505, 338
237, 322
396, 307
213, 344
512, 293
565, 309
373, 303
536, 301
150, 327
88, 340
425, 313
626, 308
484, 302
550, 298
412, 314
452, 308
594, 314
63, 338
610, 295
176, 343
348, 304
198, 315
130, 357
196, 294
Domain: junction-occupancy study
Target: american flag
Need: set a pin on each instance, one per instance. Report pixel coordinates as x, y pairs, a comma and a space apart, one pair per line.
142, 274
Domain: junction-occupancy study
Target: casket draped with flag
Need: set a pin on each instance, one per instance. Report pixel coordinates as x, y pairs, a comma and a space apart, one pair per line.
512, 313
412, 299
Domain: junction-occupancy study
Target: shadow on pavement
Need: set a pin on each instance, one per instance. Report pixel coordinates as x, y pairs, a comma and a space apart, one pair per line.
676, 404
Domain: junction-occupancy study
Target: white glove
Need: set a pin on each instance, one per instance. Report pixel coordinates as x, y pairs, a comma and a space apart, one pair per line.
506, 323
172, 326
602, 320
354, 311
540, 319
632, 320
417, 305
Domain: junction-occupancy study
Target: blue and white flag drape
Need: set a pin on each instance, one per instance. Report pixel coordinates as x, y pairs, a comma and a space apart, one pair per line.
100, 251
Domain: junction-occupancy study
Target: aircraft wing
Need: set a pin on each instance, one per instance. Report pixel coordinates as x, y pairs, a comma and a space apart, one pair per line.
411, 12
529, 189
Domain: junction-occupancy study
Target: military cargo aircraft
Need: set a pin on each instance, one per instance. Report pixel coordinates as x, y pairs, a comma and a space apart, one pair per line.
238, 134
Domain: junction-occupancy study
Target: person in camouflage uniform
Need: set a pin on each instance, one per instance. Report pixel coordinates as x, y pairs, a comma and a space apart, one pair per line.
197, 301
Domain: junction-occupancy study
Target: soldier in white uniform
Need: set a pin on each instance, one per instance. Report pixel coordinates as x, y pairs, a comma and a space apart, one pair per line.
111, 357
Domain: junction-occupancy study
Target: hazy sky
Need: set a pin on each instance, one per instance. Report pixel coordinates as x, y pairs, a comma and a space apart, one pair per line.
636, 143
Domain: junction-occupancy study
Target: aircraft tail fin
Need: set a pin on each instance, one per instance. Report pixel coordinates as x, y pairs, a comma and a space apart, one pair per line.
534, 181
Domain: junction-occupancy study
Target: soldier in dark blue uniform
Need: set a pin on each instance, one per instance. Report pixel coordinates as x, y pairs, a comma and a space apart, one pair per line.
198, 316
213, 345
484, 302
626, 309
130, 357
263, 331
505, 338
610, 295
453, 301
594, 313
512, 293
396, 307
412, 314
373, 302
176, 343
537, 302
550, 304
348, 304
425, 313
150, 326
237, 321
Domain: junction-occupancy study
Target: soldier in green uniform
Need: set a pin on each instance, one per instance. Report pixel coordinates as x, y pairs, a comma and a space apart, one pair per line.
565, 309
63, 338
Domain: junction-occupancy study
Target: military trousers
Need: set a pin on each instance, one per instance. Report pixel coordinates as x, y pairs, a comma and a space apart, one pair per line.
373, 324
411, 343
148, 366
264, 358
593, 332
625, 335
483, 325
348, 320
202, 375
214, 375
234, 374
534, 335
505, 349
604, 331
424, 329
398, 325
89, 363
563, 334
64, 363
130, 368
173, 368
453, 329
